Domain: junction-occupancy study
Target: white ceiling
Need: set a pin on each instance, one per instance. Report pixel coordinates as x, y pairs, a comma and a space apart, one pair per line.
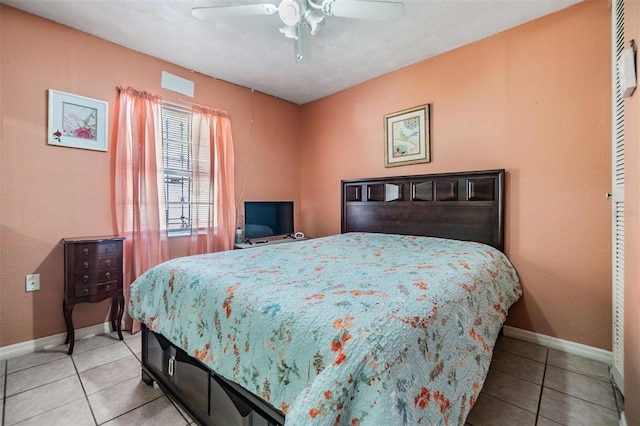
251, 52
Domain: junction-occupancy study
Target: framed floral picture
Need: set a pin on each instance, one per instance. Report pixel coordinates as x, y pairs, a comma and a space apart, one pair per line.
406, 137
77, 122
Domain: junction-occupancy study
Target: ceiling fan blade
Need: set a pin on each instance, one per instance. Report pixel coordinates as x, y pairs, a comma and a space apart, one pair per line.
364, 9
302, 45
207, 13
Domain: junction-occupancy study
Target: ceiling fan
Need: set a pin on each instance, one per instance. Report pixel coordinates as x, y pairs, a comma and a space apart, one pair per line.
304, 18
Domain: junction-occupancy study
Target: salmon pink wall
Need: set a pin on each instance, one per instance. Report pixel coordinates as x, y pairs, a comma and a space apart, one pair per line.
534, 100
48, 192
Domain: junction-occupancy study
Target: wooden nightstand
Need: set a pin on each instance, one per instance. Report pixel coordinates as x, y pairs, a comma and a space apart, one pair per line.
92, 273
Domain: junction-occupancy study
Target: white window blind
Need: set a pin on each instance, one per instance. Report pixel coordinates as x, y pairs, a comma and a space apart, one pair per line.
177, 162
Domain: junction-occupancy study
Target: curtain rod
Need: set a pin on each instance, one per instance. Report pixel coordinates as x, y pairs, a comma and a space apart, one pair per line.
140, 93
193, 104
184, 103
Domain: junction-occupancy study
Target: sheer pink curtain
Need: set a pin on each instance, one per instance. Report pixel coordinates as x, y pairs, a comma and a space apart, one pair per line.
213, 200
138, 180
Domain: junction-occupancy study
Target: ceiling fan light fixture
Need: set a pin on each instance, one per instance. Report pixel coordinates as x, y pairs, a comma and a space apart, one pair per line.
289, 31
290, 12
315, 5
314, 19
304, 18
327, 6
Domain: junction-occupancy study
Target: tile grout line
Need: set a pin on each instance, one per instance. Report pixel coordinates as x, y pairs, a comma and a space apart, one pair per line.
564, 393
86, 397
584, 400
4, 406
542, 386
581, 374
34, 387
616, 390
544, 374
520, 377
568, 394
521, 355
4, 391
76, 373
95, 420
610, 382
183, 413
131, 410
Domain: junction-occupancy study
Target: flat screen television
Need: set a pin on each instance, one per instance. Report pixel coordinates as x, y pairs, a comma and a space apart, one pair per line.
264, 219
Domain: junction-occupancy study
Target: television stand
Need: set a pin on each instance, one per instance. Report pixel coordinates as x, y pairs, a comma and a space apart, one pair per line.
261, 243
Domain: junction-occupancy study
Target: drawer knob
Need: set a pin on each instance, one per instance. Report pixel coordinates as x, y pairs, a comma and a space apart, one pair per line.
85, 251
85, 278
108, 262
107, 275
107, 288
108, 249
85, 265
85, 292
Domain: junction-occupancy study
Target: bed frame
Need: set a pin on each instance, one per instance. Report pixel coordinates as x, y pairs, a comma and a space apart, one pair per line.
464, 206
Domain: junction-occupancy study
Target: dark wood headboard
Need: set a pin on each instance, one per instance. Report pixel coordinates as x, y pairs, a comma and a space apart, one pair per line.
463, 206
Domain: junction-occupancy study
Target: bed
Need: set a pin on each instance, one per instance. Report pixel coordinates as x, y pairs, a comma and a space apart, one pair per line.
392, 321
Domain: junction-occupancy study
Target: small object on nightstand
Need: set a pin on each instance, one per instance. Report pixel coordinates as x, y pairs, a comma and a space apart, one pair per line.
92, 273
270, 241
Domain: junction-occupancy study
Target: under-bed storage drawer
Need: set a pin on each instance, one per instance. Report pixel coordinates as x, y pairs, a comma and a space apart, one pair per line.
229, 409
177, 368
207, 396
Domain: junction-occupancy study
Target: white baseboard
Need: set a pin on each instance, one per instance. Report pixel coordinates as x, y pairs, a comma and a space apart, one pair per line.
590, 352
54, 340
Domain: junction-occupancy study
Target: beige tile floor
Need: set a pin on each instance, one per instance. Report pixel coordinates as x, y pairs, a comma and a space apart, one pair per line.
100, 385
530, 384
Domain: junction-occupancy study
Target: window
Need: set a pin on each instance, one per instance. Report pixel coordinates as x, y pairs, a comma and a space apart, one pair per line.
177, 162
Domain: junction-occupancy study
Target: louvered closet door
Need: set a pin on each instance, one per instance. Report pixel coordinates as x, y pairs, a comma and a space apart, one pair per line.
617, 207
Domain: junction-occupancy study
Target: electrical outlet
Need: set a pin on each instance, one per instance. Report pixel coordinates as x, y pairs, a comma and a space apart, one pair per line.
32, 282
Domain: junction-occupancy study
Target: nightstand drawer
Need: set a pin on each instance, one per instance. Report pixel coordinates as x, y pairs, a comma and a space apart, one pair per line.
93, 249
99, 263
96, 289
95, 276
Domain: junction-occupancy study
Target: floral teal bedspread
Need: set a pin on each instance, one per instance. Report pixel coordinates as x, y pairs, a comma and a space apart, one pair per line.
351, 329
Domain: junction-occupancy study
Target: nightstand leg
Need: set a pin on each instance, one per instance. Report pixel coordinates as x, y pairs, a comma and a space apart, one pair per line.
117, 304
67, 310
113, 313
